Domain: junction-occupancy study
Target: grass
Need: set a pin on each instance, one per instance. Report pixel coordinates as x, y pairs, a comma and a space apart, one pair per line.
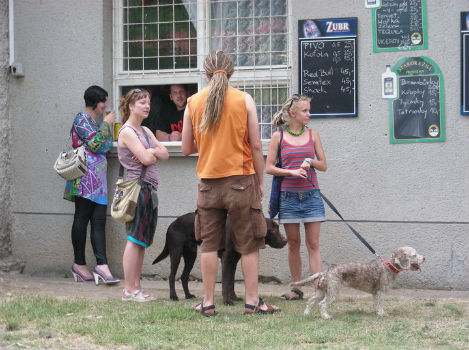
46, 322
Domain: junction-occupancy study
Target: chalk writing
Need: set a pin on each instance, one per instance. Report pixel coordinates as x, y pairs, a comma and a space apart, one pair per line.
399, 24
418, 106
327, 75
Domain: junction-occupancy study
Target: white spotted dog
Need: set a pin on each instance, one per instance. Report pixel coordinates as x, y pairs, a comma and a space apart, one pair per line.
375, 278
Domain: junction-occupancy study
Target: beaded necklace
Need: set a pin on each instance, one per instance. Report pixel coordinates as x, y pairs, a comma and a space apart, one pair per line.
299, 133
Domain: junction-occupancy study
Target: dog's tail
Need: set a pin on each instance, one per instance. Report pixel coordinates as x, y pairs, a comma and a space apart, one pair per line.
163, 254
309, 279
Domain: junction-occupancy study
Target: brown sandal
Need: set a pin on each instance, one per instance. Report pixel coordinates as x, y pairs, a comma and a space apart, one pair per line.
251, 309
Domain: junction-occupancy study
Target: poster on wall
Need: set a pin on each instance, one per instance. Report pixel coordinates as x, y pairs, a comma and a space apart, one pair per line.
327, 52
465, 63
417, 114
400, 25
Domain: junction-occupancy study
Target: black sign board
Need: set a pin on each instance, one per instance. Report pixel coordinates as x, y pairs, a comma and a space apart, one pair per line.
465, 63
399, 25
417, 114
327, 51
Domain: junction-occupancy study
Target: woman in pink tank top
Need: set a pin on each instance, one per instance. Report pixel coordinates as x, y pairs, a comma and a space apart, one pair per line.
300, 199
138, 149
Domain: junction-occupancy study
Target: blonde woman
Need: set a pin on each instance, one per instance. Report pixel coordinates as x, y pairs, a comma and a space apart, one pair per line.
300, 199
220, 123
138, 151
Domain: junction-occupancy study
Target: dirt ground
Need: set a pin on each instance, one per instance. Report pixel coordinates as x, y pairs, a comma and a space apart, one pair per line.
68, 288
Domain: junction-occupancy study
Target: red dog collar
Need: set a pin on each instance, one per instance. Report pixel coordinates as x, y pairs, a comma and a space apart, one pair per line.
391, 266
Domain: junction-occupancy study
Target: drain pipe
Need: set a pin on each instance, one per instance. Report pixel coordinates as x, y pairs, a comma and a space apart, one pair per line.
11, 34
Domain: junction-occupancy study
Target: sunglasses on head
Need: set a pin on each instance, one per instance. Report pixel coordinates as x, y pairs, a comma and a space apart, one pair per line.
295, 97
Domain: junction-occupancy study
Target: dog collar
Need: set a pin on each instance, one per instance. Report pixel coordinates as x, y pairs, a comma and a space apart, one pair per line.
391, 266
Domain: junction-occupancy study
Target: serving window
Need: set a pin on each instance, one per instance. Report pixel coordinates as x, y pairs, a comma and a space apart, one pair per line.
161, 42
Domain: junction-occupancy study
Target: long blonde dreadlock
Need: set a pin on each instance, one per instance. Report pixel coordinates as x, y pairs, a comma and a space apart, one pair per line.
219, 67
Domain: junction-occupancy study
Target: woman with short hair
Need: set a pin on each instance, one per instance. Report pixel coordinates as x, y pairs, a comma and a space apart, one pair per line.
89, 192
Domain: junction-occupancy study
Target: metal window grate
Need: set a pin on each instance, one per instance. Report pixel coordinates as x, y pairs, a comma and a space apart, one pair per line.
159, 35
269, 97
160, 41
254, 32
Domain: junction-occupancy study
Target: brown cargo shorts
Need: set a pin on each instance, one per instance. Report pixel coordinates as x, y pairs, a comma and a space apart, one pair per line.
239, 197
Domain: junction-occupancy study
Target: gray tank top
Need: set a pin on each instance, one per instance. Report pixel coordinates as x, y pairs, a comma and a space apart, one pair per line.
133, 168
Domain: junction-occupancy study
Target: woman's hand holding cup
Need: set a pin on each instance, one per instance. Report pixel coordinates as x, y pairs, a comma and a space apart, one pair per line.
110, 117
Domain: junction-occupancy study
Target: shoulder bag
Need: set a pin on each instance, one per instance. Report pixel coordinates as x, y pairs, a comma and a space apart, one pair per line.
72, 164
274, 202
124, 202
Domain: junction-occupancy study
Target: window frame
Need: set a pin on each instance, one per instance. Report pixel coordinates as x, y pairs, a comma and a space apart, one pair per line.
244, 75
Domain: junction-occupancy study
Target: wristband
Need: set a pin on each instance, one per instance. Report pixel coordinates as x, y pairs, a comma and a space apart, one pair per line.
308, 161
169, 136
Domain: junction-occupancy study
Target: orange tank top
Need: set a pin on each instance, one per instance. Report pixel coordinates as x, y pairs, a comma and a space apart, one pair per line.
227, 152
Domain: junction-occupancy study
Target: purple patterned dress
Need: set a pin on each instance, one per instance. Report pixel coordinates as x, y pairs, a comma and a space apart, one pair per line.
93, 185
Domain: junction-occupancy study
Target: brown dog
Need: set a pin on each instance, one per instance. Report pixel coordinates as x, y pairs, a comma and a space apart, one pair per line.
181, 242
375, 278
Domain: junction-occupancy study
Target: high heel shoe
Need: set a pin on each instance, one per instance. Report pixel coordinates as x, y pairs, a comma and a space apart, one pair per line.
78, 276
98, 274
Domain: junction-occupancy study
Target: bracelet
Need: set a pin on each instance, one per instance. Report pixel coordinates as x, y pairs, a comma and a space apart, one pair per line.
308, 161
169, 137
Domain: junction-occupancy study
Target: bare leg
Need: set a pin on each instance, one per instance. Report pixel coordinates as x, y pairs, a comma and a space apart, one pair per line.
312, 244
141, 255
132, 265
209, 267
294, 258
250, 266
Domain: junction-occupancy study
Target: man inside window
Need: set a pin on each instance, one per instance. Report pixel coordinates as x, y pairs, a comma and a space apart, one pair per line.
169, 122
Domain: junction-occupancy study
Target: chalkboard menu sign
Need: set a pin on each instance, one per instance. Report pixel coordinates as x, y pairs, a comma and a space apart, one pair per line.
399, 25
465, 63
327, 51
417, 114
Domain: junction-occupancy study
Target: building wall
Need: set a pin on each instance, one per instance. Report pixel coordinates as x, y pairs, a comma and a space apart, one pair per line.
5, 139
395, 195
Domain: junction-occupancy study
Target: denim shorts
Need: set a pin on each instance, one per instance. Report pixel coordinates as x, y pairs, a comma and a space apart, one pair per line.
301, 207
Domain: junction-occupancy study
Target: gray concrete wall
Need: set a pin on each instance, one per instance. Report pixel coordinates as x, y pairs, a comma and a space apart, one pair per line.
399, 194
62, 47
5, 140
407, 194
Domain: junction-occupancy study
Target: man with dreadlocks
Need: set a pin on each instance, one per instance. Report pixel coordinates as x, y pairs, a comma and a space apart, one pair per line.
220, 123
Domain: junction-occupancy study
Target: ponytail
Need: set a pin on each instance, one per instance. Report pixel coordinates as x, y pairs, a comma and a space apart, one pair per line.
283, 115
219, 68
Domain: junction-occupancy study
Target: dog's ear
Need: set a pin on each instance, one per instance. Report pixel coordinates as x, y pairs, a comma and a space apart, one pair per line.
399, 258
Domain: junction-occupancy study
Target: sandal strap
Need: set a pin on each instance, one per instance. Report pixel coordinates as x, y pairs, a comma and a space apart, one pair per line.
250, 307
207, 308
254, 307
297, 292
